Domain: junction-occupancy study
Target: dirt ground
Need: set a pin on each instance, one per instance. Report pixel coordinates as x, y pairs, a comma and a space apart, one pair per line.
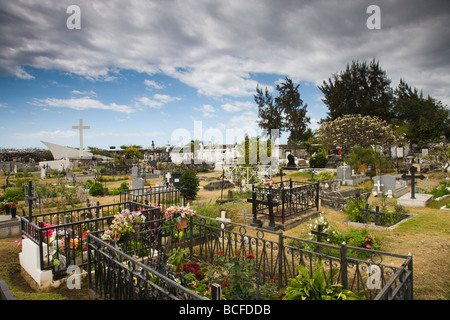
426, 237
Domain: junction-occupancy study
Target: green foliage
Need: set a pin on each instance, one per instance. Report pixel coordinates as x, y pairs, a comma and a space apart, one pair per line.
13, 195
440, 190
316, 286
286, 112
190, 182
326, 175
177, 256
96, 189
352, 211
318, 161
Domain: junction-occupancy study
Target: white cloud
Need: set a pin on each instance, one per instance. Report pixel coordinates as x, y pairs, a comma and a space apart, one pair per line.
157, 102
89, 93
153, 84
207, 110
84, 103
236, 106
216, 48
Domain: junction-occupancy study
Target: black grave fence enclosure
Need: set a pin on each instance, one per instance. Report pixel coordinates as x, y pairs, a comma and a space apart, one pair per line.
125, 270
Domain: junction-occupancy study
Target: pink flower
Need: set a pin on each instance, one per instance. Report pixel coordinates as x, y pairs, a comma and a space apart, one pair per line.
368, 246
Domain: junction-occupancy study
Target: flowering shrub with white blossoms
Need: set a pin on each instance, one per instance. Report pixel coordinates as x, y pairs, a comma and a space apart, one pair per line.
333, 235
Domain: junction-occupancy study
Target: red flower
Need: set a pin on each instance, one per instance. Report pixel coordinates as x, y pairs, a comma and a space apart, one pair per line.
250, 256
220, 252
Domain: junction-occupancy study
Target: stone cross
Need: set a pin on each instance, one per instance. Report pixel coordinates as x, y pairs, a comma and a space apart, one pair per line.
413, 178
81, 127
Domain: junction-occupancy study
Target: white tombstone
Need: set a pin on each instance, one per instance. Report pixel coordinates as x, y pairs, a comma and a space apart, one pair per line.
30, 261
390, 194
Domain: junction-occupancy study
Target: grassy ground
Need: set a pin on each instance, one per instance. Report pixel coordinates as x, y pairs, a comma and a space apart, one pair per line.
426, 237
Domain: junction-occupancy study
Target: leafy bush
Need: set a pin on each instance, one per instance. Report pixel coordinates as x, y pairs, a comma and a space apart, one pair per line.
190, 182
13, 195
317, 286
96, 189
352, 211
326, 175
318, 161
440, 190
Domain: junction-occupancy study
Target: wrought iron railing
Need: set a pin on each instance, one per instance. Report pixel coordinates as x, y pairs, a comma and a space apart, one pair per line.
381, 275
61, 236
283, 199
163, 196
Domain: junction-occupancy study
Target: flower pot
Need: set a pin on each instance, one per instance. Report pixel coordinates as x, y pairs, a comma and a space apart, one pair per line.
181, 225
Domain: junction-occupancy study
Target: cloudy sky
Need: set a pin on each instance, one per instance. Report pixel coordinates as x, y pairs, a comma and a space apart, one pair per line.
137, 71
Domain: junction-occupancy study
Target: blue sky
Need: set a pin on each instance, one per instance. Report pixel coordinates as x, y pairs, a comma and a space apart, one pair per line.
141, 70
132, 108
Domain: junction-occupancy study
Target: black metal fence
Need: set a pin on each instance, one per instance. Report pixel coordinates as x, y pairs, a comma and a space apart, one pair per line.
381, 275
163, 196
283, 199
62, 236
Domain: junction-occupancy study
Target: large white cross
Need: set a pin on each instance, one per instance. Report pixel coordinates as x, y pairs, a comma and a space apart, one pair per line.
81, 127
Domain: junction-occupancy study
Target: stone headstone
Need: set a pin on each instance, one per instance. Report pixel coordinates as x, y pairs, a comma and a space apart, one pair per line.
291, 161
344, 173
134, 172
388, 182
138, 183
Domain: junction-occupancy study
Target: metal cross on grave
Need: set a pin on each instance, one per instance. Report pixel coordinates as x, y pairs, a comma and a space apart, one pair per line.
30, 198
413, 178
319, 233
376, 212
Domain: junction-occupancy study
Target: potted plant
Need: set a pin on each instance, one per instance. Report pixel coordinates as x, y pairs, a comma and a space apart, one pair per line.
179, 214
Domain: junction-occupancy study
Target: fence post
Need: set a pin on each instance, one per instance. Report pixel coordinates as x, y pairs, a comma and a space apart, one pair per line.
344, 264
191, 235
317, 195
280, 259
216, 292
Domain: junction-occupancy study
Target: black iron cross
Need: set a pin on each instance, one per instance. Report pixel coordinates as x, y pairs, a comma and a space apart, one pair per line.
270, 202
319, 233
30, 198
376, 212
413, 178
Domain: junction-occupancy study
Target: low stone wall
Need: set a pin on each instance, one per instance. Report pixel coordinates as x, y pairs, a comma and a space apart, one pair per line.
338, 200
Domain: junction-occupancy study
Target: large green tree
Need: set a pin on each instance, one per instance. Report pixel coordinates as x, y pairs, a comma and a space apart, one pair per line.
421, 119
286, 112
363, 88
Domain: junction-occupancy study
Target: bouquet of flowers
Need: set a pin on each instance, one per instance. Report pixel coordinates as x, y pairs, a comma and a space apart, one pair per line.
123, 223
178, 213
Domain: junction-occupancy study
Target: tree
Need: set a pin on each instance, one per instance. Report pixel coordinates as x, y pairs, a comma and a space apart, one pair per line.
421, 119
132, 152
269, 115
361, 89
289, 102
285, 113
355, 130
189, 182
